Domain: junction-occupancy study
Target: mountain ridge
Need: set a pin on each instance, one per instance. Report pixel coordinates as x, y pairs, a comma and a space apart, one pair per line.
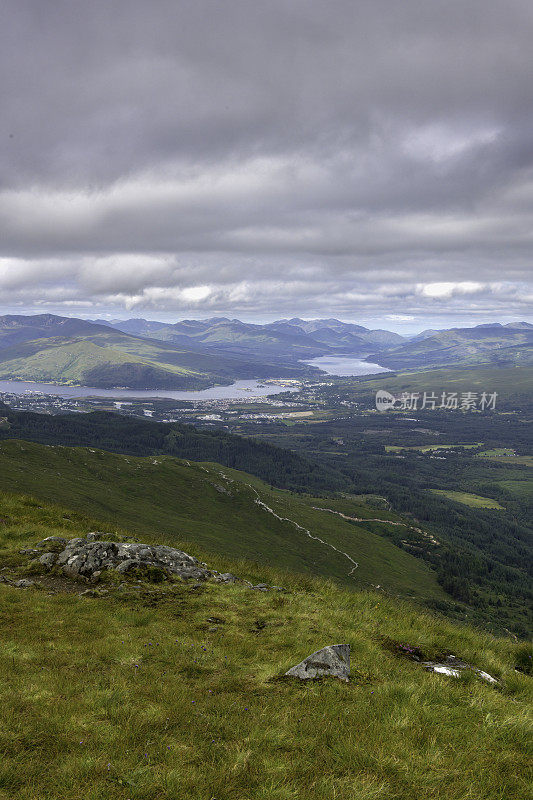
69, 350
195, 354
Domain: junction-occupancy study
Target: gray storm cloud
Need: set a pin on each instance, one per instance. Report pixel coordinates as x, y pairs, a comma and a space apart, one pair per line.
347, 157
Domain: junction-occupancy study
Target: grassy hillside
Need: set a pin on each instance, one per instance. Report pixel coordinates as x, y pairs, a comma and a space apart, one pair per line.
462, 346
512, 383
485, 560
122, 434
102, 363
483, 556
158, 692
204, 505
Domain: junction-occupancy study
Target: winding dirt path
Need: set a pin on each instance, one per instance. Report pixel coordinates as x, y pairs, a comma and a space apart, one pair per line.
360, 519
299, 527
425, 534
303, 530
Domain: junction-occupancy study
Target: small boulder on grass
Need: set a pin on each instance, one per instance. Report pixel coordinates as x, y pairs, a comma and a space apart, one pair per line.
330, 662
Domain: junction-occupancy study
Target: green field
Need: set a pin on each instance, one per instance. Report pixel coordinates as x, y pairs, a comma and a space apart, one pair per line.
207, 507
467, 499
164, 691
427, 448
526, 461
496, 451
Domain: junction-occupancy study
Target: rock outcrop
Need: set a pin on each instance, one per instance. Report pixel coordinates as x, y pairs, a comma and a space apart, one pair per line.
330, 662
88, 557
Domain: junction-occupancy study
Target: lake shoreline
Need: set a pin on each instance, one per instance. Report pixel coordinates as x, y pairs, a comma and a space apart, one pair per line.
346, 366
341, 366
233, 391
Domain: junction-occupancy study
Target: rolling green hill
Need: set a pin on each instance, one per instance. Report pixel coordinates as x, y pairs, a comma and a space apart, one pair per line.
512, 383
17, 328
483, 344
220, 510
122, 434
194, 354
62, 350
172, 691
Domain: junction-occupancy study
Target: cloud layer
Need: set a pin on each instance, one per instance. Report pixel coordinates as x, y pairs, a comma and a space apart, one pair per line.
367, 159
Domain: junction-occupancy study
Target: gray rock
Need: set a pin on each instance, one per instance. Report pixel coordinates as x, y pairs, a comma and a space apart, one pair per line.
23, 583
48, 560
221, 489
226, 577
330, 662
88, 558
94, 536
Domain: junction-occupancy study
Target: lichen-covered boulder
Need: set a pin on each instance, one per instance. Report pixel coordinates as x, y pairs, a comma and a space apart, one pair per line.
88, 558
330, 662
47, 560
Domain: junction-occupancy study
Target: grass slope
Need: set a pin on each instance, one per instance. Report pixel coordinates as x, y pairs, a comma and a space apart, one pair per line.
506, 381
164, 692
139, 437
207, 506
103, 362
495, 344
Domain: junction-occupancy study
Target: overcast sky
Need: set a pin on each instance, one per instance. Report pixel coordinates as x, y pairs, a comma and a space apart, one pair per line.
366, 159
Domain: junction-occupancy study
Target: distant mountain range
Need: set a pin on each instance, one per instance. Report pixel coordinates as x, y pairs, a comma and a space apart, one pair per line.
63, 350
195, 354
292, 338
